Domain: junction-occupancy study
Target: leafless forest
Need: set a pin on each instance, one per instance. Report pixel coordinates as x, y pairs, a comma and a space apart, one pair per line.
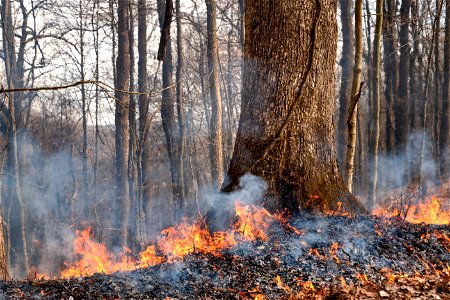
129, 116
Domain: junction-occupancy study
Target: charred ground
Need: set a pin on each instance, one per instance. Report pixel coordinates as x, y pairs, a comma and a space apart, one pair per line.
330, 257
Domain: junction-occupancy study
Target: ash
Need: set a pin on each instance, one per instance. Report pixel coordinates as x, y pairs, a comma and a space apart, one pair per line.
311, 258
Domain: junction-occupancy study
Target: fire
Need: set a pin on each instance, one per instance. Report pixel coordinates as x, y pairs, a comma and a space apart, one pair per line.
363, 278
281, 285
430, 212
174, 244
95, 258
307, 285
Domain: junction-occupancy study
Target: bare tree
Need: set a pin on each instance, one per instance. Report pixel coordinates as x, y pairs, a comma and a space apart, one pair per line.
215, 132
348, 49
355, 95
444, 129
14, 69
122, 136
374, 129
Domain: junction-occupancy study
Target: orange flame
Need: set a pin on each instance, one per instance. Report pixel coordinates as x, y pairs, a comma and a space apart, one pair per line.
281, 285
363, 278
174, 243
430, 212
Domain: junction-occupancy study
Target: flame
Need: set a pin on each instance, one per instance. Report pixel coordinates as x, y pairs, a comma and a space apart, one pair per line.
174, 243
394, 277
430, 212
363, 278
307, 285
281, 285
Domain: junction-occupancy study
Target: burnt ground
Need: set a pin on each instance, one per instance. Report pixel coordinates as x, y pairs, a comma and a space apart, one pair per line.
377, 258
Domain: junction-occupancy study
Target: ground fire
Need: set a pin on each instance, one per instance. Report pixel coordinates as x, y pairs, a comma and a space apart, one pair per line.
396, 255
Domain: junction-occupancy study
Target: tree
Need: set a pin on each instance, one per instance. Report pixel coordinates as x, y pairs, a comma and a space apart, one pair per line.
215, 131
143, 157
443, 133
390, 59
374, 127
348, 45
14, 69
355, 95
402, 106
286, 133
122, 135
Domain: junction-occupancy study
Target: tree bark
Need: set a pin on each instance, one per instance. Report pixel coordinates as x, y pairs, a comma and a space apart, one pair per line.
402, 106
143, 151
215, 132
122, 135
391, 70
444, 128
355, 95
374, 128
437, 97
179, 160
14, 76
345, 91
85, 189
285, 132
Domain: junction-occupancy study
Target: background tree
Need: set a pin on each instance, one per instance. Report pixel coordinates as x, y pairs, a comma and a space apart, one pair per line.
355, 95
346, 62
215, 138
374, 129
122, 136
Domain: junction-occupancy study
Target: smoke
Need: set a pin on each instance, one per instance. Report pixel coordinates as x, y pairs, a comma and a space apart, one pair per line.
220, 207
395, 171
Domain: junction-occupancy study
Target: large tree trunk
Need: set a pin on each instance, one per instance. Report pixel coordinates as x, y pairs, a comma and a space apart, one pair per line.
215, 132
286, 133
122, 132
346, 78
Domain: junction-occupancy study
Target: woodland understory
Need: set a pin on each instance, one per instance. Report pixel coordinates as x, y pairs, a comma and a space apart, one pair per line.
219, 149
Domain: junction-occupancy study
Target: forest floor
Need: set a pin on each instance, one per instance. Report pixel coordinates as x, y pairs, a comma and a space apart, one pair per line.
330, 257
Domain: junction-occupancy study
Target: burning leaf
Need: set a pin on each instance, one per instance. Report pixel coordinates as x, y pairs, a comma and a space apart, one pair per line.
281, 285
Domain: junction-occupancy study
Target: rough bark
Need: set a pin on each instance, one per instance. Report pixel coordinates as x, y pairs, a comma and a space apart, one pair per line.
143, 151
437, 97
355, 95
179, 160
391, 70
215, 132
444, 126
374, 127
402, 106
132, 148
345, 90
169, 98
122, 137
285, 132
